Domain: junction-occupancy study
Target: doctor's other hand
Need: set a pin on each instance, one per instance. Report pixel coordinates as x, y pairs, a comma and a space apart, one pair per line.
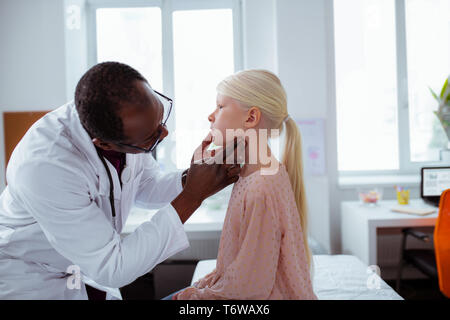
213, 173
202, 181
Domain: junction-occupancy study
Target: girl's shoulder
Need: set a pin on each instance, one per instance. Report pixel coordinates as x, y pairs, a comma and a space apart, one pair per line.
260, 183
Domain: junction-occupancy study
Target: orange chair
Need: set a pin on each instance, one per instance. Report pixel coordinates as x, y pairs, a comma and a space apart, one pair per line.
442, 243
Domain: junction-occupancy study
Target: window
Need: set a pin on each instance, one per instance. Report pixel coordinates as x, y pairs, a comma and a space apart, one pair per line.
132, 36
366, 85
388, 53
428, 56
202, 58
182, 47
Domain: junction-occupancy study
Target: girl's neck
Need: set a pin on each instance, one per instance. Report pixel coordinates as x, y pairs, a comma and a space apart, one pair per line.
264, 160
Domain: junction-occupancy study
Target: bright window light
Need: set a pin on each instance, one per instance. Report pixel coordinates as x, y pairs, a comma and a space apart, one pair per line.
366, 85
428, 53
203, 56
132, 36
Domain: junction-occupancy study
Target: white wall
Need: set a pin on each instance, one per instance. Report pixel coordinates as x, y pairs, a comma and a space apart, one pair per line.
260, 34
305, 62
32, 56
304, 69
32, 62
76, 44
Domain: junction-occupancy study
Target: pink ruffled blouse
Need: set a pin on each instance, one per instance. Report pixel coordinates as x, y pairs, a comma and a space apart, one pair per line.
261, 253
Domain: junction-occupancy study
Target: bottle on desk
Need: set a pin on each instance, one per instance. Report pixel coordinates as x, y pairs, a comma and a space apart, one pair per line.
402, 195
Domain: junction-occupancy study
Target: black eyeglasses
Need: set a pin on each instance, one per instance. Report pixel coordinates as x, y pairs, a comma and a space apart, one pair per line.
155, 144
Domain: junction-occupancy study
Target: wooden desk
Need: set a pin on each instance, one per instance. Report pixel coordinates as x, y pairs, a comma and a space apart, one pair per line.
359, 224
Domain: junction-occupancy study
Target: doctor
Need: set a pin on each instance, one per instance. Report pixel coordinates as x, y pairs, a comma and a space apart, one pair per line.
72, 180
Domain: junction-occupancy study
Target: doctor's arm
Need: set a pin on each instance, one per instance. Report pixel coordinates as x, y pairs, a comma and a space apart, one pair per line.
59, 199
202, 181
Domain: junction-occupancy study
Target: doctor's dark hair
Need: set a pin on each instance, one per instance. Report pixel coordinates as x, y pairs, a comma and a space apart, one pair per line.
100, 95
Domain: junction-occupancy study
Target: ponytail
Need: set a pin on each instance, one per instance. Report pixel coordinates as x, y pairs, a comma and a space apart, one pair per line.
292, 159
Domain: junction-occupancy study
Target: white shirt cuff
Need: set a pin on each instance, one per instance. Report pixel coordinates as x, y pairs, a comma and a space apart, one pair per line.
179, 184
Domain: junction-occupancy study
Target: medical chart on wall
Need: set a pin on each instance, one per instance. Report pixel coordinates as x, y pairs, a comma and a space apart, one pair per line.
313, 142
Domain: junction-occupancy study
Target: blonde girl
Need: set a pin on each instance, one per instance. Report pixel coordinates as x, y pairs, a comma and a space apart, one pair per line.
263, 252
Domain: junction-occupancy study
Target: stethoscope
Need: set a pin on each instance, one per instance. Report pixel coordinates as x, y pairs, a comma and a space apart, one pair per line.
111, 188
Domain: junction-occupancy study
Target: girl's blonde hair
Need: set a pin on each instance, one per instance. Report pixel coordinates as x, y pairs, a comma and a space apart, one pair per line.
263, 89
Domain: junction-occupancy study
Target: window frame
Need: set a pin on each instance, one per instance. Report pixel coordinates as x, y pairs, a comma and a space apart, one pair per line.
406, 166
167, 8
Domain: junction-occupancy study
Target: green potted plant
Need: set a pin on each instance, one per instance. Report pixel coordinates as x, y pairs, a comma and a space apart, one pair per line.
443, 114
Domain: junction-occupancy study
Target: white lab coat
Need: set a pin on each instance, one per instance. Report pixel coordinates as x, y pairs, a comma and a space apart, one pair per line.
55, 213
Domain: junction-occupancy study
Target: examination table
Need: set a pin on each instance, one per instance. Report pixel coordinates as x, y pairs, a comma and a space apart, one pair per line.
336, 277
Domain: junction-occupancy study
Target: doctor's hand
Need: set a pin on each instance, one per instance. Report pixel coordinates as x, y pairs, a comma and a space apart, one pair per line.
205, 178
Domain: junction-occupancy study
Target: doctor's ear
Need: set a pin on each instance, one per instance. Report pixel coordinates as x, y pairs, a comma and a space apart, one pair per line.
102, 144
253, 117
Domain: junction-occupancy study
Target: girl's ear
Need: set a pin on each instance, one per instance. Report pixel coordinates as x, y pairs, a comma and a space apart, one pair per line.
253, 117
